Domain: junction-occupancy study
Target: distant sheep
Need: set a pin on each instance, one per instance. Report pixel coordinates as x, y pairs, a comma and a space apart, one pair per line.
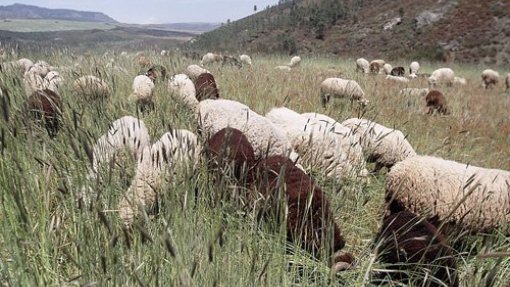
414, 92
143, 92
397, 79
490, 78
415, 250
283, 68
442, 76
210, 58
376, 66
245, 59
387, 68
459, 81
398, 71
414, 67
341, 88
53, 81
24, 64
45, 107
91, 88
156, 72
193, 71
232, 61
436, 101
206, 88
182, 87
362, 65
294, 62
460, 196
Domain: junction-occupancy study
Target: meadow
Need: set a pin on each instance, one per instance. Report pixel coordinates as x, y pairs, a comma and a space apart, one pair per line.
199, 237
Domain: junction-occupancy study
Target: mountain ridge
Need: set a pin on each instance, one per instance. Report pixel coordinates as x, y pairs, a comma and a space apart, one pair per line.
23, 11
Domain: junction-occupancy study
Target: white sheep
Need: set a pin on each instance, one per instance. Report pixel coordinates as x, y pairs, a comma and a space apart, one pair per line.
459, 81
387, 68
283, 68
465, 196
174, 151
143, 90
194, 71
53, 81
245, 59
263, 135
490, 78
210, 58
414, 67
91, 87
341, 88
41, 67
182, 87
362, 65
32, 82
24, 64
442, 76
414, 92
397, 79
383, 145
294, 62
163, 53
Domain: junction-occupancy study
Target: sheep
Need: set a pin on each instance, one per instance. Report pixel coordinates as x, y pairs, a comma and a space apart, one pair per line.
362, 65
490, 78
414, 92
24, 64
376, 66
459, 81
45, 106
383, 145
397, 79
163, 53
41, 68
387, 68
53, 81
310, 221
435, 101
175, 150
91, 88
416, 250
143, 92
461, 196
182, 87
398, 71
283, 68
245, 59
32, 82
232, 61
442, 75
193, 71
294, 62
264, 136
341, 88
317, 145
156, 72
414, 67
206, 88
507, 82
210, 58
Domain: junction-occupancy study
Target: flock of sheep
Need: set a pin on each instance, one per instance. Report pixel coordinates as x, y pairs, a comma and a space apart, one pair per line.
272, 153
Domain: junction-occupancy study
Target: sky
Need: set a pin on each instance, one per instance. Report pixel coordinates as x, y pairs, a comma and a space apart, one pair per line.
158, 11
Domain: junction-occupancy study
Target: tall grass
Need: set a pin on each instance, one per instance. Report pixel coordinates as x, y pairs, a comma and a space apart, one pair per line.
199, 237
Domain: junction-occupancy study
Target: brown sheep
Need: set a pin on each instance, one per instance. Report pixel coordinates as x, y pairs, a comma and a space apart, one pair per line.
44, 106
412, 245
156, 72
376, 66
398, 71
309, 219
436, 102
206, 88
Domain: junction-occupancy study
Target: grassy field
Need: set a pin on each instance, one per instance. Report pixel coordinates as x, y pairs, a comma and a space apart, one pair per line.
199, 238
45, 25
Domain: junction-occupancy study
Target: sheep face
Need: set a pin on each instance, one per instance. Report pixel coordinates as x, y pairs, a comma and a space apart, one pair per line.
436, 102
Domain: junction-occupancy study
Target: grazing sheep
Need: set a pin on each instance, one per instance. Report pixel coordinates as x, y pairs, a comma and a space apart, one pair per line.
436, 102
461, 196
490, 78
319, 145
156, 72
415, 250
182, 87
283, 68
341, 88
245, 59
91, 88
442, 76
387, 68
507, 82
398, 71
362, 65
205, 87
32, 82
143, 92
310, 221
230, 60
383, 145
210, 58
177, 150
193, 71
53, 81
397, 79
376, 66
414, 92
294, 62
24, 64
459, 81
41, 68
45, 107
264, 136
414, 67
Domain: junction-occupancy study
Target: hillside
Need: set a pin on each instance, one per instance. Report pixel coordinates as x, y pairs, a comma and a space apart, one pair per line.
21, 11
476, 31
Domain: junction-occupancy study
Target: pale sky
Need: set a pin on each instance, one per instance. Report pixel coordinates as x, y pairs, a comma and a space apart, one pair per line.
158, 11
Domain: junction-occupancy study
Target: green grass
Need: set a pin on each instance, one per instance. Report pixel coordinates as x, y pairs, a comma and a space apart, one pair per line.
46, 25
199, 237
